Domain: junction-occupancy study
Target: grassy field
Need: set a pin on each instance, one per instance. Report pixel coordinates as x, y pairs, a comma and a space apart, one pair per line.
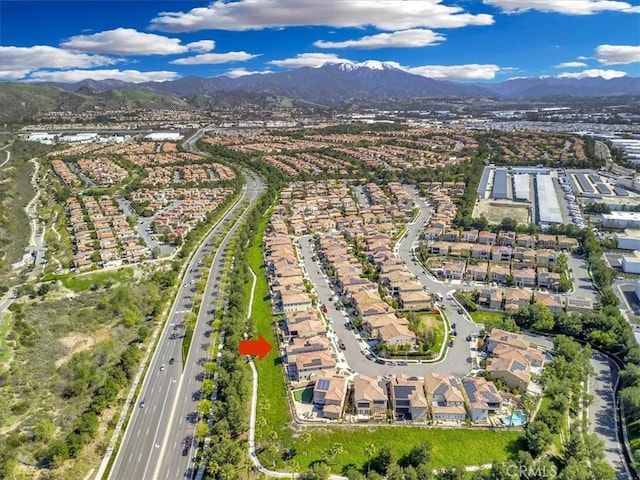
15, 193
479, 446
81, 283
486, 317
272, 394
435, 322
6, 346
450, 447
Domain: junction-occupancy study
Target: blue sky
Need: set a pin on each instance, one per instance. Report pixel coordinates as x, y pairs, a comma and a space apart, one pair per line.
460, 40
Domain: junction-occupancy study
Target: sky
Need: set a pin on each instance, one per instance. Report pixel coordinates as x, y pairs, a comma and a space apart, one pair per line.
458, 40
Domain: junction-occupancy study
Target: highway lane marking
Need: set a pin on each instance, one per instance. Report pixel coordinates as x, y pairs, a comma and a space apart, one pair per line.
138, 433
171, 382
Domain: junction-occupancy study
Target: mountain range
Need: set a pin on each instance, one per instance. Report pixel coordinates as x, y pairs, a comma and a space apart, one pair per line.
331, 84
336, 82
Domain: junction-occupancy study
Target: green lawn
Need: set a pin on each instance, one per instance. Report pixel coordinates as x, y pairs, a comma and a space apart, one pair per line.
80, 283
450, 446
486, 317
437, 323
272, 392
304, 395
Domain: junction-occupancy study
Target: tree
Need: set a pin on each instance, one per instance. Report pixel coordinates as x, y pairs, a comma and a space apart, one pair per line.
204, 407
538, 437
370, 451
420, 454
305, 438
44, 430
542, 317
318, 471
201, 430
452, 473
394, 472
552, 418
207, 388
384, 459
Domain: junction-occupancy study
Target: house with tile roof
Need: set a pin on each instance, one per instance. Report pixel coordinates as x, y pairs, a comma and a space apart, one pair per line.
444, 396
408, 399
329, 393
482, 398
309, 365
370, 397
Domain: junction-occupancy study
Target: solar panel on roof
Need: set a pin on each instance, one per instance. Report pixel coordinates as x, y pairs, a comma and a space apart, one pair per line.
499, 184
323, 384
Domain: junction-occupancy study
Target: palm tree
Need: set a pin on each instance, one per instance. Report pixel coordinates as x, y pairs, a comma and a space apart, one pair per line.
305, 438
294, 467
369, 451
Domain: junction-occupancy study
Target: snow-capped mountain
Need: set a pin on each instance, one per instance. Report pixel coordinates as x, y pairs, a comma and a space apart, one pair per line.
340, 81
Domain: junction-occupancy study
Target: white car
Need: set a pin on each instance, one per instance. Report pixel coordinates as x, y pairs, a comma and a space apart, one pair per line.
162, 367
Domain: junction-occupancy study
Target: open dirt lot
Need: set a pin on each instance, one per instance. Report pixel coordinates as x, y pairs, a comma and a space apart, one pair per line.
495, 211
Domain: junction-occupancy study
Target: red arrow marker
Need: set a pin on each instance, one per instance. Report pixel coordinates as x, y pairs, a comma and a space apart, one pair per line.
259, 347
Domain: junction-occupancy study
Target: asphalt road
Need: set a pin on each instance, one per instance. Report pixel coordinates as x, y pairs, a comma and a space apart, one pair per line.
153, 443
455, 361
602, 413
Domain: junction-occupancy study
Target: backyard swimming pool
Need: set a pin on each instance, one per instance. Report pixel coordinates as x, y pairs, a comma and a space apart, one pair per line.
516, 419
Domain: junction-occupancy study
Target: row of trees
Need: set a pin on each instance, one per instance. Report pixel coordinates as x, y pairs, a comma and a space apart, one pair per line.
228, 414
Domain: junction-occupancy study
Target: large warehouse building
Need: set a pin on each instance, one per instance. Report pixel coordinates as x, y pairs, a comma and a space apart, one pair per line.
549, 212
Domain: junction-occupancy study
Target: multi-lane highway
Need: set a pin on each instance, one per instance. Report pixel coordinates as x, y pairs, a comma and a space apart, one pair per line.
154, 442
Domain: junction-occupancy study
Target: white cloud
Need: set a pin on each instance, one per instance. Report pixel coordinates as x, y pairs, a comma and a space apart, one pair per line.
201, 45
471, 71
571, 65
438, 72
241, 72
617, 54
258, 14
127, 41
72, 76
19, 61
405, 38
214, 58
309, 60
594, 72
567, 7
13, 74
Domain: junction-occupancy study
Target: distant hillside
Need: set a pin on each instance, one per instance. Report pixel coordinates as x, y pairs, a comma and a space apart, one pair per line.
21, 102
334, 83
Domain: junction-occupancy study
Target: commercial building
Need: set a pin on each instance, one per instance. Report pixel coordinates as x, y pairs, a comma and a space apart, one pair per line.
500, 190
621, 219
164, 137
631, 262
628, 240
547, 201
521, 190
